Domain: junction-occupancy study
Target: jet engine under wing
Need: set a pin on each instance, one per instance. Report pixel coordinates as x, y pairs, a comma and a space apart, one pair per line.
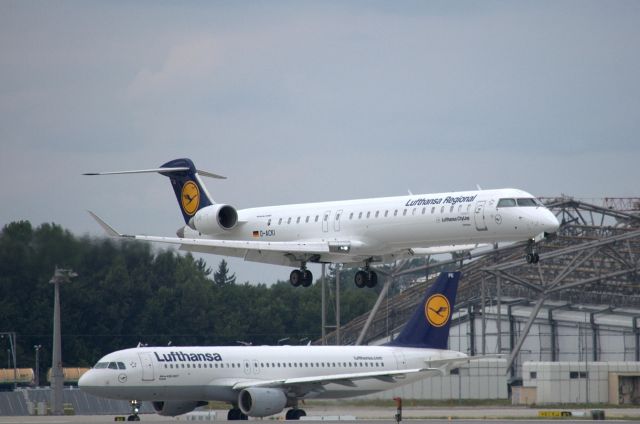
279, 252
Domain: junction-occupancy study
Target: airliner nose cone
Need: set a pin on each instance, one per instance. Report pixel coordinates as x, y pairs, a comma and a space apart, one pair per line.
550, 223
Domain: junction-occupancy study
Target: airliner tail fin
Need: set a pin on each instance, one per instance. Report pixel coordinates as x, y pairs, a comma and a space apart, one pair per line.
429, 324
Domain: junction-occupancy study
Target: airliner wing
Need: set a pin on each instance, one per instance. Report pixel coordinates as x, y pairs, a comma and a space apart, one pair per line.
342, 379
270, 251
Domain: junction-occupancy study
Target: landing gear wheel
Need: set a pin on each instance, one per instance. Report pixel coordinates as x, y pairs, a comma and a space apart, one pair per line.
529, 258
135, 408
536, 258
295, 278
235, 414
360, 279
372, 279
307, 278
295, 414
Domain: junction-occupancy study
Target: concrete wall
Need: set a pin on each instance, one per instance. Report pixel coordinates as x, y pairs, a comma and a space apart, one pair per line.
576, 382
481, 379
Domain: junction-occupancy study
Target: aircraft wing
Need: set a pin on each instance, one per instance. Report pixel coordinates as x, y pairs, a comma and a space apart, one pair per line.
274, 252
303, 385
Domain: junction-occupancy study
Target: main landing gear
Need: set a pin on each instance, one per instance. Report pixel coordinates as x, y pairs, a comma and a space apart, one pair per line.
135, 408
301, 276
532, 256
235, 414
295, 414
365, 278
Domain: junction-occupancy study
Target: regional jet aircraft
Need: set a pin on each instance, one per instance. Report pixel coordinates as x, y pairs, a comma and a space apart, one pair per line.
357, 232
259, 381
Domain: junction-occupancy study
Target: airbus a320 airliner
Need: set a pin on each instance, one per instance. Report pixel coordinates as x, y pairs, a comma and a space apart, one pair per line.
259, 381
356, 232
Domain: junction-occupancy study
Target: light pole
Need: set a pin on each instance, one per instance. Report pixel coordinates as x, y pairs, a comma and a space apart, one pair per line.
37, 376
57, 377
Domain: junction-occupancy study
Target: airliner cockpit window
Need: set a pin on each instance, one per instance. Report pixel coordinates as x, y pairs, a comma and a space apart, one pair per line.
506, 203
113, 366
121, 366
528, 202
101, 365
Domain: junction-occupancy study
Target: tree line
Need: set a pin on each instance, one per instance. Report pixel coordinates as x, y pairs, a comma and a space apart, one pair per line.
128, 292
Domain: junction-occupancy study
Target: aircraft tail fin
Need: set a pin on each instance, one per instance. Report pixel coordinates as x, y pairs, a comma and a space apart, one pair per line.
185, 179
429, 324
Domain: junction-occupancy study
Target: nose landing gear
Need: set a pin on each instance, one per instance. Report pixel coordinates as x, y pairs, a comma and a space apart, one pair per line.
532, 256
135, 408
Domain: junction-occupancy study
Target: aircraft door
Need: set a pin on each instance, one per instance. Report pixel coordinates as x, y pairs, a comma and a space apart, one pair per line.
247, 367
325, 221
481, 225
336, 221
401, 362
147, 366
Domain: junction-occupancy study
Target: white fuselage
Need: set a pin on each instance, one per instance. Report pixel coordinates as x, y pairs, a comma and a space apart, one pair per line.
210, 373
386, 228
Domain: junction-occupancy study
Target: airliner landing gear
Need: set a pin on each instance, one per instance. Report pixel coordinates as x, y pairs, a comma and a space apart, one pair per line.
366, 277
301, 276
235, 414
532, 256
295, 414
135, 408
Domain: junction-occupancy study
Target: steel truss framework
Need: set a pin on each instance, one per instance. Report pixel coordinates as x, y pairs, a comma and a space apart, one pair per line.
594, 260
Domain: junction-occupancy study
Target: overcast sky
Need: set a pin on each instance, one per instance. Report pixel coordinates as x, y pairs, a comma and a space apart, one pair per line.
310, 101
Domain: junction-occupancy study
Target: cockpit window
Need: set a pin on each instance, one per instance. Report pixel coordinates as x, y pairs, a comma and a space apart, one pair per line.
506, 203
121, 366
101, 365
527, 202
113, 366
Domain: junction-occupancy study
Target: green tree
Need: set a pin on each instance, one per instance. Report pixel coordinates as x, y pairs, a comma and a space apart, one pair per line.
221, 277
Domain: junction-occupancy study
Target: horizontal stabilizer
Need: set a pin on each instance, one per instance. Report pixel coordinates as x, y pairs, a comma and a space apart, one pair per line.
159, 170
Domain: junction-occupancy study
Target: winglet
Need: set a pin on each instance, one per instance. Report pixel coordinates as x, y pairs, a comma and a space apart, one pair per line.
106, 227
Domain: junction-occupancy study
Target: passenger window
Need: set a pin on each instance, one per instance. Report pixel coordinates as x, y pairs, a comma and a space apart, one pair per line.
351, 215
395, 213
317, 218
377, 213
280, 221
459, 208
506, 203
404, 212
468, 208
360, 215
451, 208
298, 220
368, 215
433, 209
289, 220
307, 220
424, 210
413, 212
442, 209
386, 214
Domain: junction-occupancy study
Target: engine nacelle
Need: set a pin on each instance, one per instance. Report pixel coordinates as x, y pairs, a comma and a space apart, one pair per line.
173, 408
261, 402
214, 219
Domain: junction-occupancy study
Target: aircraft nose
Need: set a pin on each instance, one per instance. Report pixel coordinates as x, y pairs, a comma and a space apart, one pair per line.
549, 222
88, 381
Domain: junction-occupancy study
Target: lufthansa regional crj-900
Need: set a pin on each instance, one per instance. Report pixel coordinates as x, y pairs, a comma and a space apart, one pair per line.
259, 381
353, 232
